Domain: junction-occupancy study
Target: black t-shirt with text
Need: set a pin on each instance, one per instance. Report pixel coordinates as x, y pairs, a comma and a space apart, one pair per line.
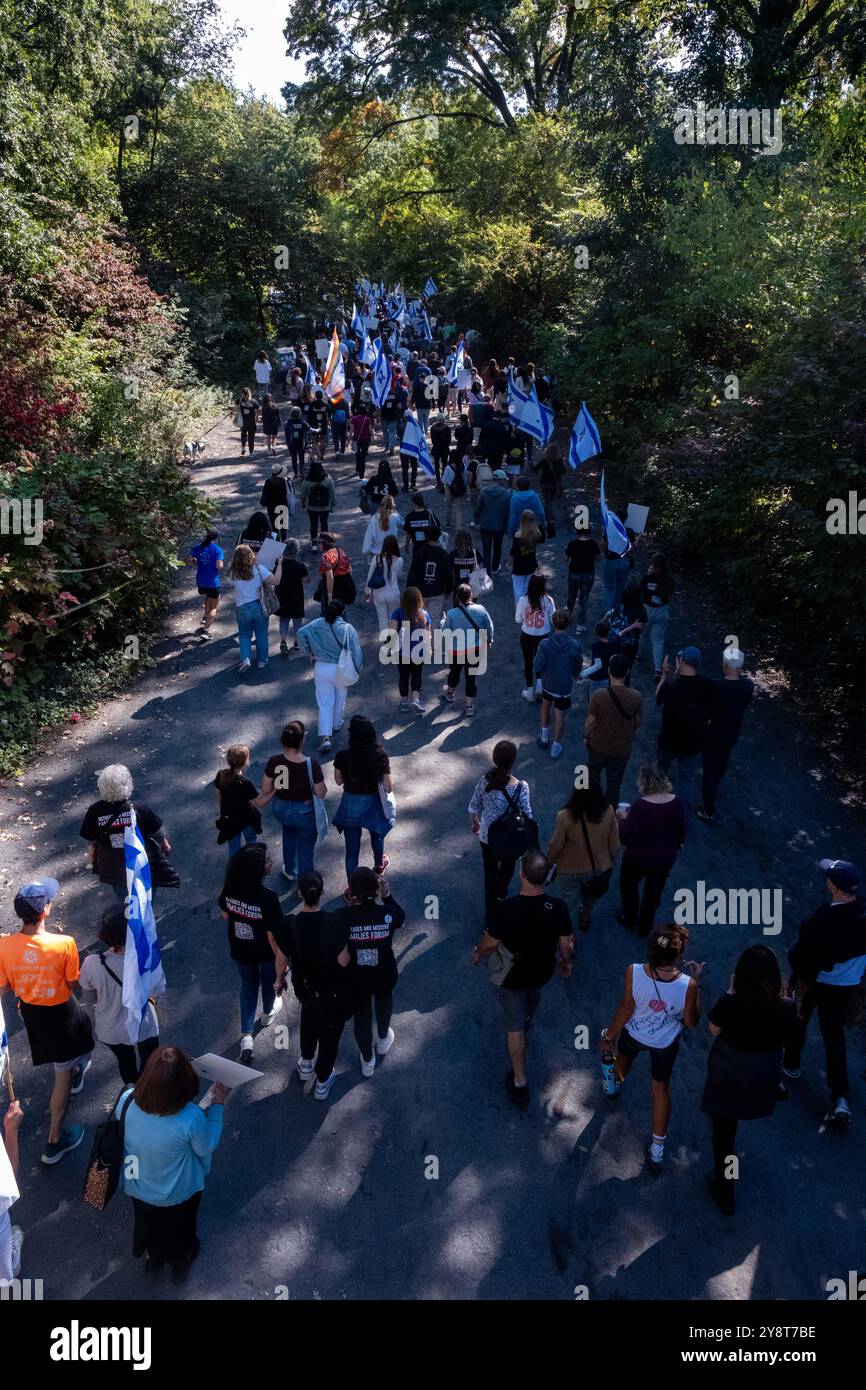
104, 824
250, 918
530, 927
370, 928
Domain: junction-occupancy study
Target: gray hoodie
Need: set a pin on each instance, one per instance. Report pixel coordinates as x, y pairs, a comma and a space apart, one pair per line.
492, 507
558, 663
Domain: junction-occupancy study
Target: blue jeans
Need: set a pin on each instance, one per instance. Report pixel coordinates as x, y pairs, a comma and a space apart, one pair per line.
389, 430
234, 843
615, 574
491, 544
423, 414
254, 977
657, 622
687, 772
353, 847
579, 590
252, 621
298, 819
339, 433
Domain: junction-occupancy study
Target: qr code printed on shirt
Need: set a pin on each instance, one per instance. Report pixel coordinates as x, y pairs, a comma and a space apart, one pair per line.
368, 957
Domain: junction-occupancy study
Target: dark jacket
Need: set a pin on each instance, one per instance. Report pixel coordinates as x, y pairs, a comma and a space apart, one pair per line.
492, 507
431, 571
831, 935
558, 663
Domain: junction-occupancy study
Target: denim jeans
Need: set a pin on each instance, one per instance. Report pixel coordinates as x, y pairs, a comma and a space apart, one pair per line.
252, 622
389, 431
339, 434
687, 772
519, 584
234, 843
491, 546
298, 819
614, 576
579, 590
423, 414
613, 768
353, 847
657, 626
254, 977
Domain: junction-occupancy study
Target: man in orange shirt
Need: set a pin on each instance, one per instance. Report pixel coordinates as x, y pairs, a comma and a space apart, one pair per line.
40, 967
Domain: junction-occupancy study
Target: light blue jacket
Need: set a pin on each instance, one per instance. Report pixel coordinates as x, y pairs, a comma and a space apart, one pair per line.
324, 643
525, 502
172, 1152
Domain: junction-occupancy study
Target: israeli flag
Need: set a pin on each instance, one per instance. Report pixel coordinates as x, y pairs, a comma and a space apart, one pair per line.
357, 322
381, 375
368, 352
143, 974
414, 444
425, 322
456, 366
430, 288
618, 542
310, 378
517, 400
585, 439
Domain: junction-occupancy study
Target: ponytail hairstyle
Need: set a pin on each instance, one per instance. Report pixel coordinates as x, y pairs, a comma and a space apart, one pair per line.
311, 886
293, 734
386, 509
504, 758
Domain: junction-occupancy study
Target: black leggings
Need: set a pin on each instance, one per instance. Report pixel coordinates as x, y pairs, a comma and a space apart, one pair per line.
409, 673
361, 448
497, 876
384, 1004
129, 1066
724, 1137
318, 1030
318, 522
529, 646
248, 433
471, 680
296, 449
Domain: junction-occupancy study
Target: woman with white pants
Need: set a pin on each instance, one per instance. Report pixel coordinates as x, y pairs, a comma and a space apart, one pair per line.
324, 640
385, 597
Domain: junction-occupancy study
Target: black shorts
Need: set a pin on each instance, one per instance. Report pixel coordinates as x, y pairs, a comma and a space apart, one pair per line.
558, 701
209, 593
661, 1058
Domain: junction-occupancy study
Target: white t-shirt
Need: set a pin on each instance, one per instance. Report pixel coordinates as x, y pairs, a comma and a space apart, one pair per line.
535, 622
262, 371
248, 590
110, 1015
374, 537
8, 1186
658, 1008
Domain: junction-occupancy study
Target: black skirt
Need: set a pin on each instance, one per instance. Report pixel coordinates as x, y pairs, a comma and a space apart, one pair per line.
58, 1032
165, 1234
741, 1085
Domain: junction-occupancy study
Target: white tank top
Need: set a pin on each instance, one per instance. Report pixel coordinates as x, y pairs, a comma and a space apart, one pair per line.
658, 1008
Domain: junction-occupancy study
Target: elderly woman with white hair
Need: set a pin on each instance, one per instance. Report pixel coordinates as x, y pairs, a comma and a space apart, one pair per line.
733, 695
104, 825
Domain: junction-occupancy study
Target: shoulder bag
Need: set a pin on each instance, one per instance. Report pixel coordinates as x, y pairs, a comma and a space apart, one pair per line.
479, 581
600, 882
106, 1157
322, 822
499, 964
346, 674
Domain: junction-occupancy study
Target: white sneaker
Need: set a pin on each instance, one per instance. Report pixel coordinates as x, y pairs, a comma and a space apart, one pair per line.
305, 1068
244, 666
17, 1243
842, 1110
528, 693
385, 1044
367, 1068
418, 705
323, 1088
247, 1049
275, 1009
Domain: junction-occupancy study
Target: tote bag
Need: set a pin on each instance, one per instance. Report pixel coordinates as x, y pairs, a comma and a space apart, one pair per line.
499, 963
389, 804
479, 581
322, 822
346, 674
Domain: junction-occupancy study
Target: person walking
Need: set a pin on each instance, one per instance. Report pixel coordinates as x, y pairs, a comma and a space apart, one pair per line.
491, 514
316, 412
389, 414
362, 434
336, 584
40, 967
471, 619
657, 587
411, 621
262, 371
171, 1140
11, 1237
828, 961
440, 443
465, 559
432, 573
339, 426
686, 702
290, 596
235, 793
248, 410
386, 522
250, 580
318, 499
550, 471
584, 846
252, 911
315, 950
524, 557
101, 981
209, 560
733, 696
495, 794
363, 770
103, 827
297, 429
454, 484
534, 613
324, 640
614, 574
752, 1023
535, 930
369, 922
418, 523
627, 621
524, 498
292, 784
384, 580
279, 501
614, 716
658, 1000
270, 423
581, 552
651, 832
557, 666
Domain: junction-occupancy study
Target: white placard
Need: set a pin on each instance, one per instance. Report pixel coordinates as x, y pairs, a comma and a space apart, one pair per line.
635, 518
323, 347
269, 552
226, 1072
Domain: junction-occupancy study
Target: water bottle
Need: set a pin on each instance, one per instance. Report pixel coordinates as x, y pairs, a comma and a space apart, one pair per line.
610, 1081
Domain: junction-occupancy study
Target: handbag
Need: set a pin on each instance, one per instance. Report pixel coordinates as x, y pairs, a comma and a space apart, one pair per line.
106, 1158
479, 581
389, 804
512, 833
600, 882
322, 822
376, 577
346, 674
239, 419
499, 963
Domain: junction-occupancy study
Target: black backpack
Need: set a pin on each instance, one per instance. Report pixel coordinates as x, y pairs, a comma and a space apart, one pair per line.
512, 833
458, 482
319, 495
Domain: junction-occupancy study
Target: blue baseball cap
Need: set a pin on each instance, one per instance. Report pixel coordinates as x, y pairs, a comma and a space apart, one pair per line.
842, 873
34, 897
692, 655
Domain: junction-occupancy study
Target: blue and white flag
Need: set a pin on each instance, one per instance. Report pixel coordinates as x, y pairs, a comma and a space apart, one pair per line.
585, 439
4, 1045
357, 321
414, 444
456, 366
142, 967
536, 419
618, 542
425, 323
518, 400
381, 375
310, 378
430, 288
368, 352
